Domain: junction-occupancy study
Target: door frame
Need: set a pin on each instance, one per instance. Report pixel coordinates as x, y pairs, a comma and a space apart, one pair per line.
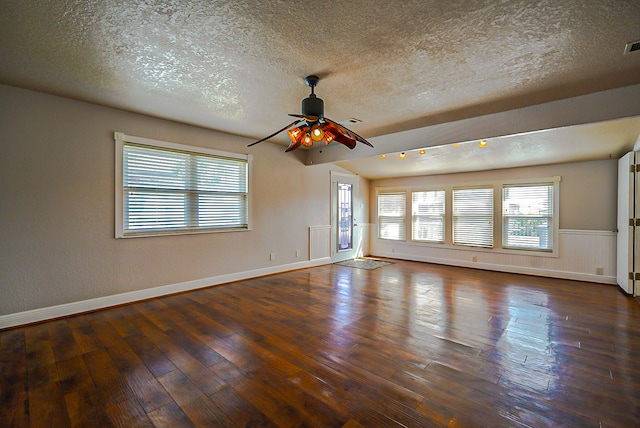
347, 178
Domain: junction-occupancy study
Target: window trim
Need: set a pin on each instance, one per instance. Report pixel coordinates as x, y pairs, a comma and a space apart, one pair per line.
406, 205
551, 217
121, 139
443, 216
451, 217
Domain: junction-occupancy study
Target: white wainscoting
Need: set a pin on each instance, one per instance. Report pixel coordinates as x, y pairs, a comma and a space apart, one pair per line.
319, 242
581, 253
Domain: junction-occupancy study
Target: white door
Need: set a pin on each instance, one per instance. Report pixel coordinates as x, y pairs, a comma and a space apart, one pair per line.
344, 229
625, 269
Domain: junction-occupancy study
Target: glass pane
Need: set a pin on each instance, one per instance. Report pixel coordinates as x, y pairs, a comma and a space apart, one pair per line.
475, 231
428, 216
527, 232
345, 217
152, 168
391, 215
219, 211
221, 175
527, 217
155, 211
473, 217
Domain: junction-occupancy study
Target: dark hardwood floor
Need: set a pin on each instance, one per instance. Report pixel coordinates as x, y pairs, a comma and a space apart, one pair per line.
410, 344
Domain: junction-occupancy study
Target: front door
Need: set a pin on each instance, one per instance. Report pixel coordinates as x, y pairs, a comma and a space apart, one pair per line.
344, 230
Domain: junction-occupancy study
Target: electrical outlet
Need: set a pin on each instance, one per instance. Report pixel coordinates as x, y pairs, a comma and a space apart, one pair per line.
272, 256
297, 253
599, 270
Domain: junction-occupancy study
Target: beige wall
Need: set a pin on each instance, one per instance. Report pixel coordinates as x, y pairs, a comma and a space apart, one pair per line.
588, 190
57, 206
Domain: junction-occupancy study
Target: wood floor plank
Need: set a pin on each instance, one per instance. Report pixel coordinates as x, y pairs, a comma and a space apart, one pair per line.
170, 415
238, 410
14, 402
155, 360
410, 344
127, 414
147, 388
62, 341
111, 385
195, 404
73, 374
83, 406
47, 406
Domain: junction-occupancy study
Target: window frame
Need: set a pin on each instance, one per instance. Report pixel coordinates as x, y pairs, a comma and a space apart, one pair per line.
550, 217
492, 217
442, 216
122, 140
403, 223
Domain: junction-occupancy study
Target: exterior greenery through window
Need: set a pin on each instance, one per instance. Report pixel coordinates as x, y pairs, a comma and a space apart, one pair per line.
181, 189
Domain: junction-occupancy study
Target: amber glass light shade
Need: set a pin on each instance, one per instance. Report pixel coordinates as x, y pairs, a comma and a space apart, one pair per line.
294, 134
316, 133
329, 136
307, 141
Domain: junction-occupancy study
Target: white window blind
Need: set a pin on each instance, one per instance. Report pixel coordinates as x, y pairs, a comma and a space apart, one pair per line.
165, 190
392, 208
473, 217
427, 210
527, 217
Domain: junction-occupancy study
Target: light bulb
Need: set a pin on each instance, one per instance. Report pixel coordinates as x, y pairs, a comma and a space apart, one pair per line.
307, 141
317, 133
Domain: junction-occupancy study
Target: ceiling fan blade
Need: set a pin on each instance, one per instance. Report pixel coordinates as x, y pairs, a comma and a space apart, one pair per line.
309, 119
275, 133
346, 131
344, 139
293, 145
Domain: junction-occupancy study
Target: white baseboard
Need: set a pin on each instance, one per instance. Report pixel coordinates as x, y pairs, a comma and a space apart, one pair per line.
42, 314
576, 276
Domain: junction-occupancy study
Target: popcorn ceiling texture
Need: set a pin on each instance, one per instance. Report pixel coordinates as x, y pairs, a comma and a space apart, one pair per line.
239, 65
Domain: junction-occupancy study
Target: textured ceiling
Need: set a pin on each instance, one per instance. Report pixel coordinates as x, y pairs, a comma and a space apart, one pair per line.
238, 65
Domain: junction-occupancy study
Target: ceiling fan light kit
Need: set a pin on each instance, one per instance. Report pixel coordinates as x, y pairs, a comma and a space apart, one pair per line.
312, 125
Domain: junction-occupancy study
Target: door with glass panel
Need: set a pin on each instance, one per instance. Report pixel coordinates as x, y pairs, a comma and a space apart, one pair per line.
344, 227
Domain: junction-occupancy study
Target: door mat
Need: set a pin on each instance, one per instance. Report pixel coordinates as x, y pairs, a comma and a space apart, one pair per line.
367, 264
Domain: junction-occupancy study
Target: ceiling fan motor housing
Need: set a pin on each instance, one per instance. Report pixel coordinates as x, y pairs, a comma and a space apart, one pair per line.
313, 106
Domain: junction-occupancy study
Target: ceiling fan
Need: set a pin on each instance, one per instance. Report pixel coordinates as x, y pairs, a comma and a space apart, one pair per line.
312, 125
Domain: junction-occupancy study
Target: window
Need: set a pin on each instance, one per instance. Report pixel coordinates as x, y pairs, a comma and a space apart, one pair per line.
527, 217
166, 188
392, 208
473, 217
427, 210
